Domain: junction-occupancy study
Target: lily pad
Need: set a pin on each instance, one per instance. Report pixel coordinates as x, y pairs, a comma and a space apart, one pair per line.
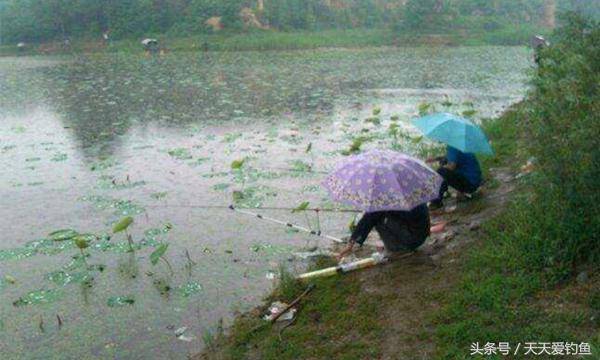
159, 195
39, 297
220, 187
189, 289
123, 224
180, 153
63, 234
63, 278
253, 196
59, 157
119, 301
158, 252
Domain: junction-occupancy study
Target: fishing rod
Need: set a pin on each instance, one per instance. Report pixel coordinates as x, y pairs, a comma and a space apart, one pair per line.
310, 170
288, 224
260, 208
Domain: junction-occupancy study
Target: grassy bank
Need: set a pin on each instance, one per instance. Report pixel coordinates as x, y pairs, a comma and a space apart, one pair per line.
276, 40
514, 285
534, 275
530, 276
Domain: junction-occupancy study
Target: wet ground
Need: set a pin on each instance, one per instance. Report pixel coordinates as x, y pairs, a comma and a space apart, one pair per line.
85, 141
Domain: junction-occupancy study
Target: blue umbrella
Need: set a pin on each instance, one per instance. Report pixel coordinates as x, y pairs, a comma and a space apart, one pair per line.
455, 131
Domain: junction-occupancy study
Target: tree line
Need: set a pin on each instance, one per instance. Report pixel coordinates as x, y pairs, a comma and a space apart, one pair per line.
43, 20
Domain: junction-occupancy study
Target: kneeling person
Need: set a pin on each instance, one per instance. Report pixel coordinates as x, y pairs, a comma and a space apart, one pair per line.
400, 231
460, 170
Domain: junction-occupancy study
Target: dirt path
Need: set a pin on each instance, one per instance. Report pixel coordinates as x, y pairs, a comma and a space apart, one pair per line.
415, 286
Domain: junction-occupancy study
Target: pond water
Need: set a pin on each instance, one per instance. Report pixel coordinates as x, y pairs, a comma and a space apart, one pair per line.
85, 141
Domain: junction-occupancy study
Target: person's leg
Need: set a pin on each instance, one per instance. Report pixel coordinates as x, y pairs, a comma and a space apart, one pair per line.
439, 202
397, 237
455, 180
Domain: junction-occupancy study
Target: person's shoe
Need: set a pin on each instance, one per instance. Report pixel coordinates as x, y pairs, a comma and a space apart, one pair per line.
463, 197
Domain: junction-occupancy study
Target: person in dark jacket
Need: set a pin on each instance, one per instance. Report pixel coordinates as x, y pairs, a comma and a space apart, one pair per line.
400, 231
460, 170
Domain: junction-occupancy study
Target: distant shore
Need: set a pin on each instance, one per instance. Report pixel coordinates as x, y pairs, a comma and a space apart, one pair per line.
275, 40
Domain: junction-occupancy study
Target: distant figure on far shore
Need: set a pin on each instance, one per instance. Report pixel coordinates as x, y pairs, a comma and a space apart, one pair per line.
538, 43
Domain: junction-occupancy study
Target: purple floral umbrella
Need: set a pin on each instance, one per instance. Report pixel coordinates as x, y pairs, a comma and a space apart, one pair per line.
381, 180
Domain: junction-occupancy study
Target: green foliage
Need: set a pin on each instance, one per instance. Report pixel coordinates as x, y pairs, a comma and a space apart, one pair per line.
237, 164
335, 308
469, 113
308, 148
43, 20
158, 252
550, 230
357, 143
123, 224
425, 108
63, 234
119, 301
303, 206
563, 126
81, 242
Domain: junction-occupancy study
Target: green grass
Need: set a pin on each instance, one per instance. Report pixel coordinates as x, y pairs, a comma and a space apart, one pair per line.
280, 40
336, 320
503, 292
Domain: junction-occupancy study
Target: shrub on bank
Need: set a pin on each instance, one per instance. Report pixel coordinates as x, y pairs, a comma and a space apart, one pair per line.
549, 234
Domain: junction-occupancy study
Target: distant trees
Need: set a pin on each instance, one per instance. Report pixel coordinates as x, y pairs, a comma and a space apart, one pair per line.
428, 13
40, 20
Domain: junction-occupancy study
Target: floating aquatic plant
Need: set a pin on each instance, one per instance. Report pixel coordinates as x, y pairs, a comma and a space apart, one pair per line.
122, 225
425, 108
180, 153
121, 207
103, 164
63, 234
188, 289
237, 164
447, 103
151, 235
221, 187
302, 207
119, 301
357, 143
469, 113
198, 161
159, 195
231, 137
373, 120
38, 297
59, 157
159, 254
253, 196
109, 182
300, 166
62, 278
162, 285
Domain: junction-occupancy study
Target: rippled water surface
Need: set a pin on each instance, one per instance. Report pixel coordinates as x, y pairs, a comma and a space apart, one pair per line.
85, 141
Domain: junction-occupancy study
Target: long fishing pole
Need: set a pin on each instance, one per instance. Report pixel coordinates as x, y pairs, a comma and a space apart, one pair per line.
260, 208
288, 224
